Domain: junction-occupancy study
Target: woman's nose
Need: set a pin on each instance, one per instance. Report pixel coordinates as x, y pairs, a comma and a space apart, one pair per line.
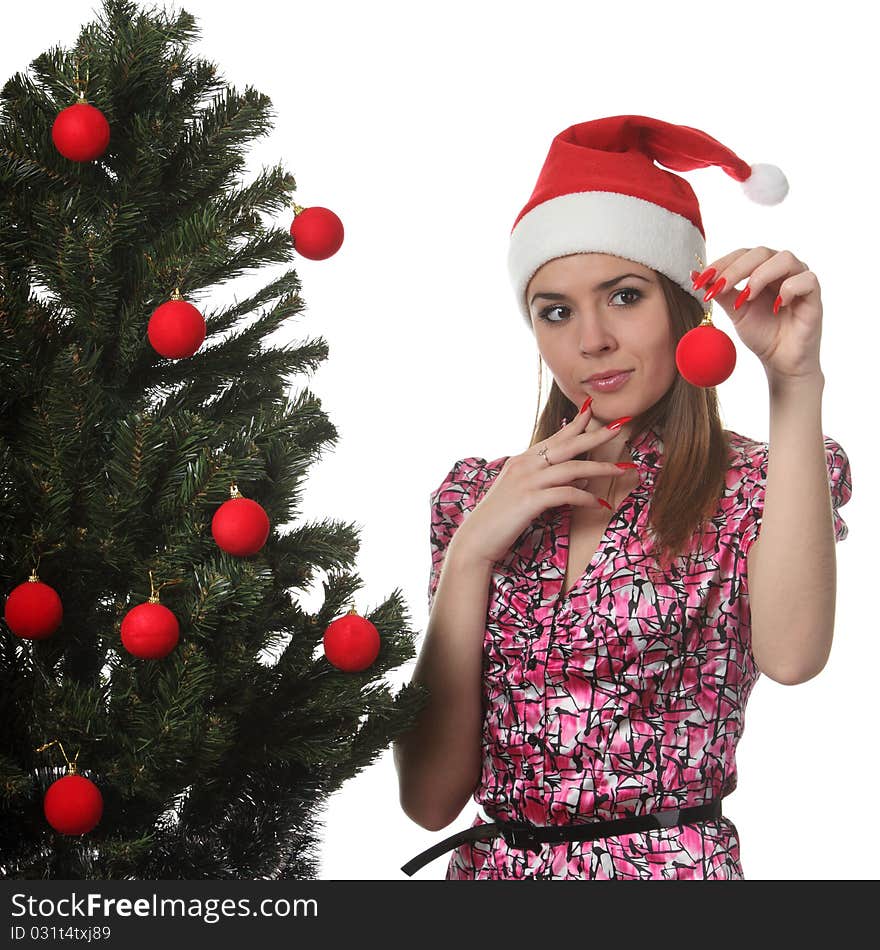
593, 333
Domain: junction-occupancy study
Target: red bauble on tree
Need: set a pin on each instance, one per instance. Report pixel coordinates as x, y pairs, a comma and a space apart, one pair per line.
317, 232
176, 328
73, 805
240, 526
705, 356
33, 610
150, 631
81, 132
351, 643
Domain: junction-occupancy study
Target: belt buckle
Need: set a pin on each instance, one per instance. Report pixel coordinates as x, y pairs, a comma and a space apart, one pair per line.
519, 834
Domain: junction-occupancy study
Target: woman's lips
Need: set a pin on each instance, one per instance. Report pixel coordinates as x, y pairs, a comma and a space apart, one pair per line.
610, 383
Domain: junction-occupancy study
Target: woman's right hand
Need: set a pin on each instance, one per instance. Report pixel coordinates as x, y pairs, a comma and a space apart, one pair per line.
527, 485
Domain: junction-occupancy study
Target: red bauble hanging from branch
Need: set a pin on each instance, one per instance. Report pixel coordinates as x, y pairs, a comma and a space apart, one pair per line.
81, 132
240, 526
150, 631
317, 232
351, 643
73, 804
705, 356
33, 609
176, 328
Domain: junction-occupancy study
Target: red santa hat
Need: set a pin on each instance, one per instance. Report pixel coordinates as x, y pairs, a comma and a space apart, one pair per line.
600, 190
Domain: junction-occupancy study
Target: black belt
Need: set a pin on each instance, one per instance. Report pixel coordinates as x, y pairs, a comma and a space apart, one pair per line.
529, 837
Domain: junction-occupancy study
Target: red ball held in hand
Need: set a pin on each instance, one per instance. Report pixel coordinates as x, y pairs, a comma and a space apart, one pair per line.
705, 356
80, 132
317, 232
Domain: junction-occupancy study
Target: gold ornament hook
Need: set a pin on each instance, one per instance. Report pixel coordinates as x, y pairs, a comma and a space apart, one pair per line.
71, 766
154, 591
80, 85
707, 316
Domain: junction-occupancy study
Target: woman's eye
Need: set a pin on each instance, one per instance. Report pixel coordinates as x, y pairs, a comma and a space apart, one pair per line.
636, 294
628, 290
546, 310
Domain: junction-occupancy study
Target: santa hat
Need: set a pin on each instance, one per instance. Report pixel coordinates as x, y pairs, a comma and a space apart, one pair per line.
600, 190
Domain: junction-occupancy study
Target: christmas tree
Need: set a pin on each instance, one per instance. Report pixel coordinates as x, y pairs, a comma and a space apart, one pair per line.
152, 642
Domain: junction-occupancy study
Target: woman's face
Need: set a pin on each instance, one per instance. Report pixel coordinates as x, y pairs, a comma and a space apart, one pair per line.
582, 329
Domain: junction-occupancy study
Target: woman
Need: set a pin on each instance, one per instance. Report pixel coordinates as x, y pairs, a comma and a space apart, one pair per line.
600, 604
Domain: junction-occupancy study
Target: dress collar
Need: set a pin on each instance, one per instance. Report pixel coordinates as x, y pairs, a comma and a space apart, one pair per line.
646, 448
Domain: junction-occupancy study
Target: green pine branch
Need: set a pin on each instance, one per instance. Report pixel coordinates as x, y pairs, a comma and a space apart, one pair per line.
216, 761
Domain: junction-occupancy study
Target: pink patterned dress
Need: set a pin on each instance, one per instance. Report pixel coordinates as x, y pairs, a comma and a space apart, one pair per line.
628, 694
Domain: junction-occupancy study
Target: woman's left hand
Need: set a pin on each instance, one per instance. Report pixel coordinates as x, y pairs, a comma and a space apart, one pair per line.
787, 341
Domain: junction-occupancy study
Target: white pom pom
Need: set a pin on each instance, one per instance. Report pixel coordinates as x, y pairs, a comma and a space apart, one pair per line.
767, 185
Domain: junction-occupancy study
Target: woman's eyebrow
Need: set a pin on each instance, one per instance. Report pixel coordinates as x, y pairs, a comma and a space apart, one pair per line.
603, 286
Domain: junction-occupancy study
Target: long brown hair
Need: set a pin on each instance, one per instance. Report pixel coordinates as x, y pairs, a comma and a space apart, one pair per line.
696, 448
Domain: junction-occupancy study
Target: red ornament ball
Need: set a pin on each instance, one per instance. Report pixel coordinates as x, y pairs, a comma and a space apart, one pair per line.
73, 805
33, 610
176, 329
80, 132
240, 526
317, 233
351, 643
705, 356
150, 631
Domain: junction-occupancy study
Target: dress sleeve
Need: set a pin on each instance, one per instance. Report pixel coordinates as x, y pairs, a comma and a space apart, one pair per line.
839, 481
450, 503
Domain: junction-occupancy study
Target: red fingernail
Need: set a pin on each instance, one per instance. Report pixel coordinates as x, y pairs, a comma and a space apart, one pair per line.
587, 402
706, 276
618, 422
742, 298
605, 503
626, 464
777, 305
718, 285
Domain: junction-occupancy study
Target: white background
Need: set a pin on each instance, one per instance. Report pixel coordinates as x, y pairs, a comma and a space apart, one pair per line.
424, 127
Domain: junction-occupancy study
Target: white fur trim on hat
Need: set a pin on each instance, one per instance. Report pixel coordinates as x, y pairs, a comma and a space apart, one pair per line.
609, 223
